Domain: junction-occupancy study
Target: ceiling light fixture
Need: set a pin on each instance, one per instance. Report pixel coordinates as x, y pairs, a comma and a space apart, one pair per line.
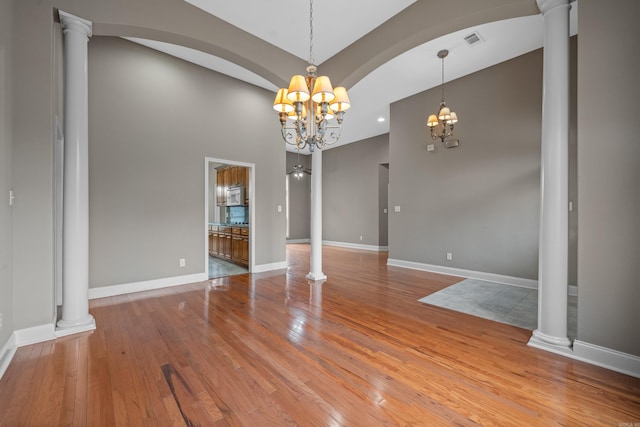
299, 170
442, 124
309, 104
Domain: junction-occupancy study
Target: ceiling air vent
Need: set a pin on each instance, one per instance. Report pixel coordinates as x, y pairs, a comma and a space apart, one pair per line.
473, 39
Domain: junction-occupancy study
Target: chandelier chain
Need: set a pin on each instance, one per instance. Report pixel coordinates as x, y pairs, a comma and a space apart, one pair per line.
442, 60
311, 60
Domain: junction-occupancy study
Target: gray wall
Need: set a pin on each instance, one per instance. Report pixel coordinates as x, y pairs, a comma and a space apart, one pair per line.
479, 201
6, 280
299, 199
609, 164
152, 121
32, 164
350, 190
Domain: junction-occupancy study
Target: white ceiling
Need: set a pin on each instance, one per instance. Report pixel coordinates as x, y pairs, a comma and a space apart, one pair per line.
337, 24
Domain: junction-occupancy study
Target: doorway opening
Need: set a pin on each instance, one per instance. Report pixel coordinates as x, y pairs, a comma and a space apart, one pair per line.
229, 217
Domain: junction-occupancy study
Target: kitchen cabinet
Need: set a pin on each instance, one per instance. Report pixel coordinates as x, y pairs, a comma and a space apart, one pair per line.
213, 240
240, 249
224, 242
244, 247
231, 176
246, 186
229, 243
222, 178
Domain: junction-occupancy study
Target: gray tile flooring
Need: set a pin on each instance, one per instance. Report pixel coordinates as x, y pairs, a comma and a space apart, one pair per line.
220, 268
495, 301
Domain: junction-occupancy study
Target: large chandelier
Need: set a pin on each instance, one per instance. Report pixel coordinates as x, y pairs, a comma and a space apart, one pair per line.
441, 124
307, 107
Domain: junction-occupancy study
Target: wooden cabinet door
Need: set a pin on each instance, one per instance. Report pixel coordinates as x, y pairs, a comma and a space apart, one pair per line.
213, 243
236, 249
227, 246
244, 251
221, 186
246, 186
235, 175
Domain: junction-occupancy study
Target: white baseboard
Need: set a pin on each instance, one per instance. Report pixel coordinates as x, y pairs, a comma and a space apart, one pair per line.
147, 285
7, 352
607, 358
468, 274
23, 337
35, 334
298, 240
269, 267
356, 246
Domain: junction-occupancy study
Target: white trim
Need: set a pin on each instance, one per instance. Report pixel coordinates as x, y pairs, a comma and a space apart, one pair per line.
469, 274
269, 267
147, 285
558, 345
356, 246
7, 352
35, 334
298, 241
614, 360
76, 329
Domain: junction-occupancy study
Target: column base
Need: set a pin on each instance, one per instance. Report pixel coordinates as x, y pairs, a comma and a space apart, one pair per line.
316, 276
558, 345
69, 327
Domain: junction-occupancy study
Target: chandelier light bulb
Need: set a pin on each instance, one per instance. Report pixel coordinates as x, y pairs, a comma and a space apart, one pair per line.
341, 101
298, 90
282, 104
322, 90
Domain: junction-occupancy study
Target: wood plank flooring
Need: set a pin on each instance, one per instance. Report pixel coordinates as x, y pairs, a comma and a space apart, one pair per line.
271, 349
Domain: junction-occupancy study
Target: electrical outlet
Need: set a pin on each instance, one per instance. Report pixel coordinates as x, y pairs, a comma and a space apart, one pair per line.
0, 321
183, 262
360, 237
449, 256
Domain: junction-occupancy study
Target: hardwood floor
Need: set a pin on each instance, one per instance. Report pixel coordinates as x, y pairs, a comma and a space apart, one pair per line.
271, 349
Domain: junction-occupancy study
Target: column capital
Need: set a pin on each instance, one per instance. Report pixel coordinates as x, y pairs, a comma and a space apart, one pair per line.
547, 5
72, 22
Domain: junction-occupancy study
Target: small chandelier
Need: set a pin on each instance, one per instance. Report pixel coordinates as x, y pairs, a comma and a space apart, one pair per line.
442, 124
299, 170
308, 105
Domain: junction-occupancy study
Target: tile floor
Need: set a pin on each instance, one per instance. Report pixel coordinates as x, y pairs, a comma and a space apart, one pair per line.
219, 268
495, 301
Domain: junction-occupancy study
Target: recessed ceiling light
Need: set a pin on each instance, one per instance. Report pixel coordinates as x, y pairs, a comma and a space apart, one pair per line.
381, 119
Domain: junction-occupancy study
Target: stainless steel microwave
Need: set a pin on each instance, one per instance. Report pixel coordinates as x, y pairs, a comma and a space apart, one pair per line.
235, 196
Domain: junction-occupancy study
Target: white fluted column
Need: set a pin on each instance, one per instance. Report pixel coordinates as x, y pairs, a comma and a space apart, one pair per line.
75, 240
551, 333
316, 217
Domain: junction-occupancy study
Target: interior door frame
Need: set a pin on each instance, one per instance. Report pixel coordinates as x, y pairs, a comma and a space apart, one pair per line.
208, 161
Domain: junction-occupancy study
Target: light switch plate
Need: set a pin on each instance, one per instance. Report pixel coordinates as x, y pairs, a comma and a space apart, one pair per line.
396, 208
